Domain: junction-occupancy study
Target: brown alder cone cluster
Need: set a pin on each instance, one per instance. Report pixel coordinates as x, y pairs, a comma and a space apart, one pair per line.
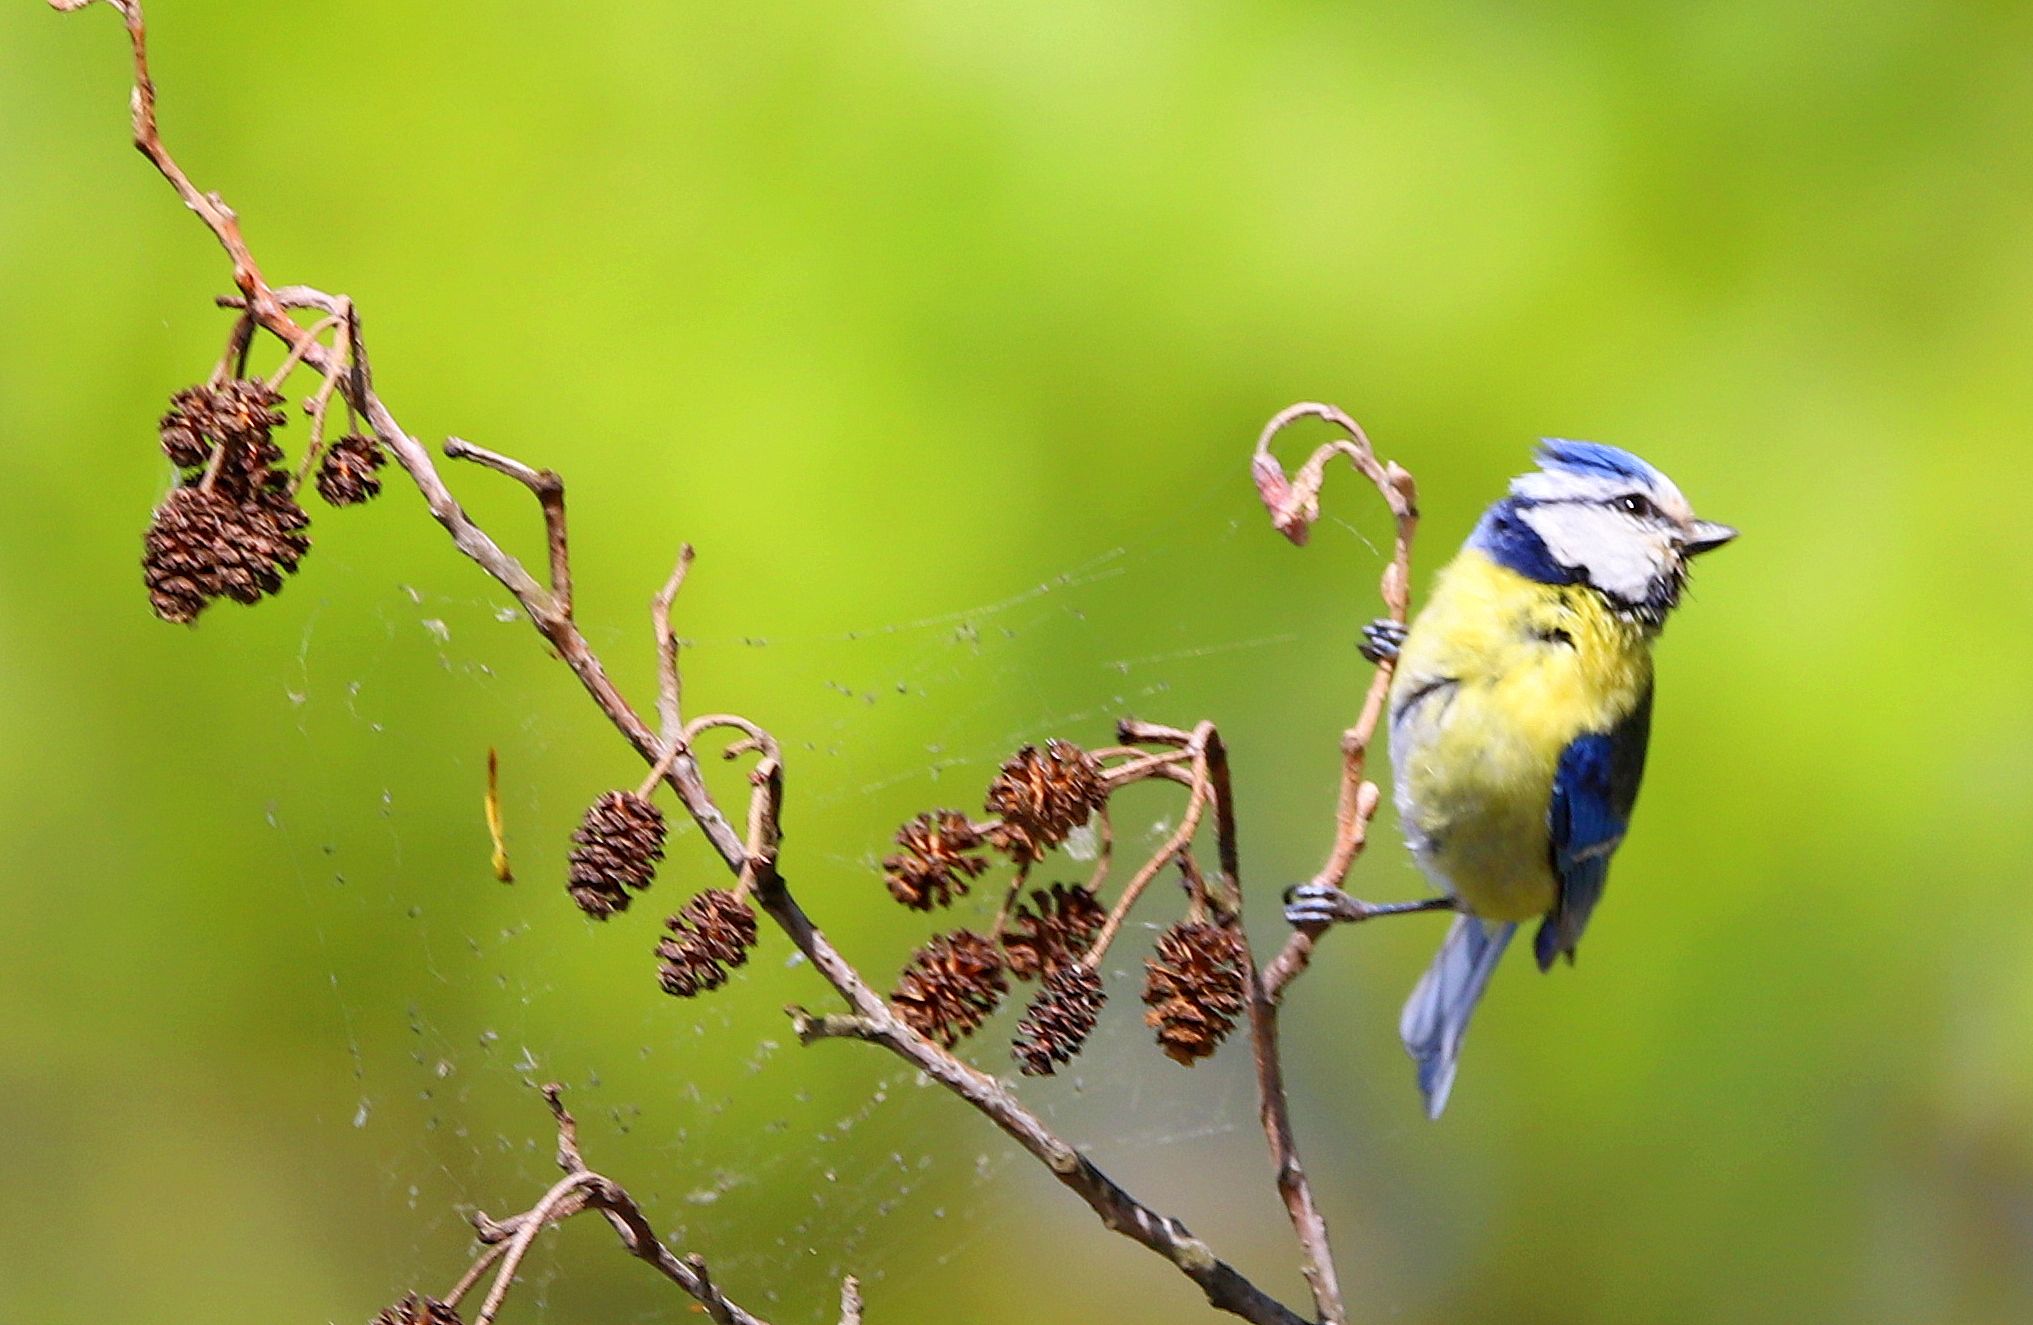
1057, 936
232, 527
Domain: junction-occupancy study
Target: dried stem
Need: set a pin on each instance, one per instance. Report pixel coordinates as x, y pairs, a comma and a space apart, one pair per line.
319, 406
1018, 879
549, 491
675, 751
297, 351
1189, 824
475, 1272
1294, 505
670, 687
1104, 849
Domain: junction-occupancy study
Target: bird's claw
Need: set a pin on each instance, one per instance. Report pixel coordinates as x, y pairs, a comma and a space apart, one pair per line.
1381, 640
1318, 904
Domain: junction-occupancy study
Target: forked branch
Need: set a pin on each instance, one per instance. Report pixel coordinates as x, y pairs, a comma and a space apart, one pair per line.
505, 1242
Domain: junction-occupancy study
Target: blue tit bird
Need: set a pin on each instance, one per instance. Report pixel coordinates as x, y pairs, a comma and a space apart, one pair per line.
1519, 714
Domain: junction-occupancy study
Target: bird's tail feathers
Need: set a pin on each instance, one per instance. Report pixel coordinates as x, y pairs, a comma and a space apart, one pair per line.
1436, 1015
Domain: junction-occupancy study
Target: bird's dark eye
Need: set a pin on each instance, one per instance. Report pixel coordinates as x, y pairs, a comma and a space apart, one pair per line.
1633, 504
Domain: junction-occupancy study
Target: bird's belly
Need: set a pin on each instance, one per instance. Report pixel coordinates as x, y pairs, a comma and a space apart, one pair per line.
1473, 799
1497, 677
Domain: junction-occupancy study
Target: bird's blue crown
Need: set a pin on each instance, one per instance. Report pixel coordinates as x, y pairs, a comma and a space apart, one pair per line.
1593, 460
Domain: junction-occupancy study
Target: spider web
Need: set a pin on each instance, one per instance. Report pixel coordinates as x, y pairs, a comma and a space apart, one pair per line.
450, 996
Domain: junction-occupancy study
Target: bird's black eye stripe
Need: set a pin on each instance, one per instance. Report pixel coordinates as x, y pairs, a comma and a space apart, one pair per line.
1634, 504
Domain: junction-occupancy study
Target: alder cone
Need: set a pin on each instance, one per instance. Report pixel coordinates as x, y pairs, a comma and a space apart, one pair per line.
1194, 988
186, 432
203, 545
187, 543
950, 987
615, 849
1043, 795
270, 542
346, 472
1055, 1027
1054, 928
709, 936
940, 854
244, 411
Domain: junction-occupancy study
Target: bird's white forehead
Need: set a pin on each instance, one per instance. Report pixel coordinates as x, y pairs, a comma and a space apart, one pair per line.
1559, 485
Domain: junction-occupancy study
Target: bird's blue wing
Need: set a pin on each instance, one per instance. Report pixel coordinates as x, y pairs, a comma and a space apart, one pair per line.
1594, 788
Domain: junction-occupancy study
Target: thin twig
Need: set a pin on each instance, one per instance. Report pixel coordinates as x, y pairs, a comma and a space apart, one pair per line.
670, 686
1309, 1226
304, 345
549, 490
552, 1206
491, 1253
319, 406
1294, 504
1018, 878
1104, 849
1189, 824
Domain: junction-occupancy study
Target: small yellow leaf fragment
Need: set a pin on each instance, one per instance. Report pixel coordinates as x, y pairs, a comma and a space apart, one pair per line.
501, 870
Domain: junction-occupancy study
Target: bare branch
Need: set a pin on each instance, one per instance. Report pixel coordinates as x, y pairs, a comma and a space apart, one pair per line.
507, 1241
1294, 505
549, 490
1212, 786
670, 684
1225, 1287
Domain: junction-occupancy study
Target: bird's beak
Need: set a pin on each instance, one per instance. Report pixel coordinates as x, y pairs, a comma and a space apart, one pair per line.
1705, 536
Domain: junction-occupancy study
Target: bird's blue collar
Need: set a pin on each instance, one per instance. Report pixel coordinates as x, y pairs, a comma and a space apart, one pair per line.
1504, 537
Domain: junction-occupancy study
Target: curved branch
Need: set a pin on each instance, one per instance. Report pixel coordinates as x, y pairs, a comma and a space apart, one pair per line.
1294, 505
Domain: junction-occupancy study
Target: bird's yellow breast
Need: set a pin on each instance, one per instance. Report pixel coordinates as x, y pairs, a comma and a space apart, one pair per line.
1497, 676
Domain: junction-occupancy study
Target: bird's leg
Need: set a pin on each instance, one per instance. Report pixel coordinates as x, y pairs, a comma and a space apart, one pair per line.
1381, 640
1325, 904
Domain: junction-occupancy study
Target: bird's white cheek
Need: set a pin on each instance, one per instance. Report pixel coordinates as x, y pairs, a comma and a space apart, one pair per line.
1615, 556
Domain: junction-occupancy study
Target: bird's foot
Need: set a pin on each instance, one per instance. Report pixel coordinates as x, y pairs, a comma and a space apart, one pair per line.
1381, 640
1308, 904
1321, 904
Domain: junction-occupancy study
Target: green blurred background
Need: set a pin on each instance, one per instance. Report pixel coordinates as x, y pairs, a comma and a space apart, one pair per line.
943, 331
